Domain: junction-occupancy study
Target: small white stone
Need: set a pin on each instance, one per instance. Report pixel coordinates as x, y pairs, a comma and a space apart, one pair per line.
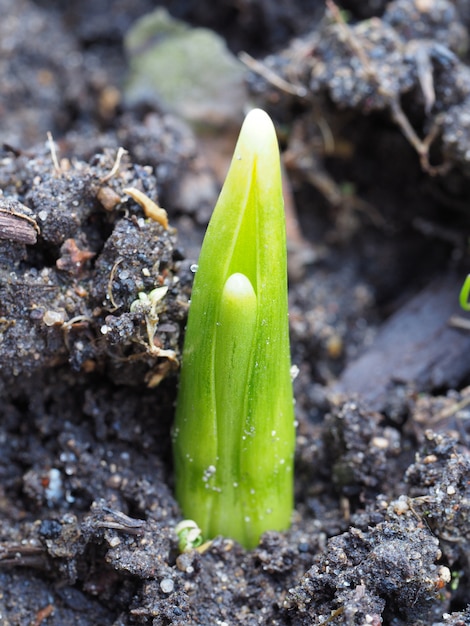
444, 574
167, 585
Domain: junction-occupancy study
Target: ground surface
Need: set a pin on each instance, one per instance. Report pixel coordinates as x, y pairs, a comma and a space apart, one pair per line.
373, 111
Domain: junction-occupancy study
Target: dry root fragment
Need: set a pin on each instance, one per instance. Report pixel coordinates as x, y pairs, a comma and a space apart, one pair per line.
108, 198
163, 369
43, 614
117, 164
151, 208
73, 258
14, 224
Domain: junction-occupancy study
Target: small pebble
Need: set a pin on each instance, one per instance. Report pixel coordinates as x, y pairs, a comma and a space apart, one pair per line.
184, 562
53, 318
167, 585
114, 541
380, 442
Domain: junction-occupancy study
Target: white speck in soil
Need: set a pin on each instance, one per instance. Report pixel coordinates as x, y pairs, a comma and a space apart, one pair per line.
167, 585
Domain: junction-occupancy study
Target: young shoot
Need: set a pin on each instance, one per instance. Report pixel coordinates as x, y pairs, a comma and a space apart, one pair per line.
233, 437
464, 296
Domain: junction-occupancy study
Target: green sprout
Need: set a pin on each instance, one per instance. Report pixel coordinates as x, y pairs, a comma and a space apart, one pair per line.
464, 294
150, 305
189, 535
455, 580
234, 436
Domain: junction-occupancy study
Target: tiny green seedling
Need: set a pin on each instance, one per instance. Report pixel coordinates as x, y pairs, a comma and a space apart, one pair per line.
150, 306
464, 297
234, 436
189, 535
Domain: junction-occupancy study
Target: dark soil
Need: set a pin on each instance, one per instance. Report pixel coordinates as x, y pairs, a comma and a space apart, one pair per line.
372, 106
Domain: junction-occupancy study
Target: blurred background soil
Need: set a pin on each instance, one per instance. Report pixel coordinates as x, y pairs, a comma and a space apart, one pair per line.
110, 110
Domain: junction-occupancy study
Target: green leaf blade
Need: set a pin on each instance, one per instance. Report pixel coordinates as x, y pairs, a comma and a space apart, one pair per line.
246, 236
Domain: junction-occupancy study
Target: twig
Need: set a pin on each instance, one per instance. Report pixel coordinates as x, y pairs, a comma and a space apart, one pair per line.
117, 163
451, 410
270, 76
110, 286
421, 146
334, 614
52, 149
